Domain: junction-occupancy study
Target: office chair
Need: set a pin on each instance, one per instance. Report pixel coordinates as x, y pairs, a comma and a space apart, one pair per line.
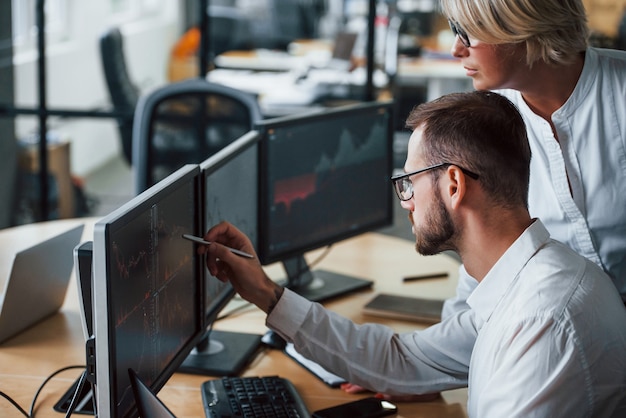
283, 21
228, 30
186, 122
123, 93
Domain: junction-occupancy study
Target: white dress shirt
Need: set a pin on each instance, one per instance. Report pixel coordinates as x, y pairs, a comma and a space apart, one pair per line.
545, 336
588, 212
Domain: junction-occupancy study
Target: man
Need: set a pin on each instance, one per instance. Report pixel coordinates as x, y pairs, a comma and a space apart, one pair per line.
545, 332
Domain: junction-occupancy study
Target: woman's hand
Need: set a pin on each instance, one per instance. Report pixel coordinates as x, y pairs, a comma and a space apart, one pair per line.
352, 388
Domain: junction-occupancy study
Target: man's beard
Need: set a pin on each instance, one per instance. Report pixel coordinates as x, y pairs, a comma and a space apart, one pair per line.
435, 235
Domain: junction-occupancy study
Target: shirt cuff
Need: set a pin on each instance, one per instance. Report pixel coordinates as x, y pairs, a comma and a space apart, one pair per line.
289, 314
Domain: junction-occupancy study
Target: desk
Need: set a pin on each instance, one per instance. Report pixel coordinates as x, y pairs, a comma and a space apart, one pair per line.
27, 359
298, 88
439, 75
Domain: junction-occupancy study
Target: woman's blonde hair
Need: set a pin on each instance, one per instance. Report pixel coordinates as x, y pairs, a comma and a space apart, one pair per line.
554, 30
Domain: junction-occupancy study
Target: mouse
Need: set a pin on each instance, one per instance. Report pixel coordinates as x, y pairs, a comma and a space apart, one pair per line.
273, 340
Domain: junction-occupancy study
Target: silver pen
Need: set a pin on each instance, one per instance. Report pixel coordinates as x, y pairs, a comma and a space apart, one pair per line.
202, 241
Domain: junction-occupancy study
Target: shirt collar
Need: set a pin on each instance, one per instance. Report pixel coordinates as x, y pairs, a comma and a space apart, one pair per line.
582, 88
505, 272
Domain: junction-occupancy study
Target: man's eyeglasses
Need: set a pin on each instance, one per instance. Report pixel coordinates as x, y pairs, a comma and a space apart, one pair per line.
404, 186
460, 33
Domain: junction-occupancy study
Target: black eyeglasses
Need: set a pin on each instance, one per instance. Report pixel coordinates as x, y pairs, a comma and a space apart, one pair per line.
460, 33
404, 186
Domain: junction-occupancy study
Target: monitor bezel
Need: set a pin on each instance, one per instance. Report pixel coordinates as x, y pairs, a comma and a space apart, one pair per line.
263, 205
209, 358
207, 167
104, 338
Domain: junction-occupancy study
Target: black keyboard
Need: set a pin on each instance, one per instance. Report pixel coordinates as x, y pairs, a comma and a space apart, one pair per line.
267, 396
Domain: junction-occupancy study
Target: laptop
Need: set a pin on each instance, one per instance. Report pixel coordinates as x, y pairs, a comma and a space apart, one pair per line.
342, 51
37, 283
341, 56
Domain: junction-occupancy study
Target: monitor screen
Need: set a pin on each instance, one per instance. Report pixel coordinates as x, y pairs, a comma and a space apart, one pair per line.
323, 177
230, 194
148, 289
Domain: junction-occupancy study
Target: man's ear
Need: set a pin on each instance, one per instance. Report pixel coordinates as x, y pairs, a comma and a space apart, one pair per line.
455, 186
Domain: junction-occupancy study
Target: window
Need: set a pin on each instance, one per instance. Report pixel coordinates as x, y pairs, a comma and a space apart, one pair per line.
57, 23
130, 10
25, 22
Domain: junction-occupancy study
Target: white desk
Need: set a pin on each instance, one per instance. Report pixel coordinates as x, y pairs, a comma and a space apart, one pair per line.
281, 81
295, 90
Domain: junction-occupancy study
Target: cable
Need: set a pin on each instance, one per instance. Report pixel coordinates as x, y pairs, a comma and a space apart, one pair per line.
309, 266
321, 256
15, 404
233, 311
32, 406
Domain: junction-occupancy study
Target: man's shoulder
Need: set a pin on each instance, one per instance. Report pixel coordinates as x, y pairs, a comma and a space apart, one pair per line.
557, 258
557, 273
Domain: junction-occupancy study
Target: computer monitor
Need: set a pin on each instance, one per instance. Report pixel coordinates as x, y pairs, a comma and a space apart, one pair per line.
323, 177
230, 194
148, 289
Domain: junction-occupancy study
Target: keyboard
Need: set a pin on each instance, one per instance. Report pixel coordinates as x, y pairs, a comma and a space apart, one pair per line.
267, 396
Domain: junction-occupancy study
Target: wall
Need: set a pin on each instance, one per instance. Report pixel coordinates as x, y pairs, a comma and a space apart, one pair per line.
604, 15
75, 79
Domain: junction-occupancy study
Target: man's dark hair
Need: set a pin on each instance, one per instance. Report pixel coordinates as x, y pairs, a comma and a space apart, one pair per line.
480, 131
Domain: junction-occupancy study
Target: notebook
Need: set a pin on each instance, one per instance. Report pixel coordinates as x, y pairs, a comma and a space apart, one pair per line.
405, 307
37, 282
321, 373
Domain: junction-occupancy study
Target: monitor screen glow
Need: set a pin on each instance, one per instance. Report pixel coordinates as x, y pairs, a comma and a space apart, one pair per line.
324, 177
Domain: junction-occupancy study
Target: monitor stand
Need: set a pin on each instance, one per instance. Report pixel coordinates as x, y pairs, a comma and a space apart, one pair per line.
83, 262
319, 285
84, 403
221, 353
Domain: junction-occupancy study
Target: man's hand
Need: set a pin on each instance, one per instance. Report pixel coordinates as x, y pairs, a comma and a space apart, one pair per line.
246, 275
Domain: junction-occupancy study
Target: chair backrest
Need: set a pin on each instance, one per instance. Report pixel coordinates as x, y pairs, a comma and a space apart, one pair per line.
228, 30
123, 93
185, 123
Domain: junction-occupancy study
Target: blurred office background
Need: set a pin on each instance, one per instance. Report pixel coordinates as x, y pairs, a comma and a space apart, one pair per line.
159, 48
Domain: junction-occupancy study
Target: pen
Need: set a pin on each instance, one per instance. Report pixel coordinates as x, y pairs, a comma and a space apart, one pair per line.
425, 276
201, 241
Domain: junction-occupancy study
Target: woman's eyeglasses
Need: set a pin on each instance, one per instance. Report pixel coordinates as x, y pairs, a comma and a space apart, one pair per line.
460, 33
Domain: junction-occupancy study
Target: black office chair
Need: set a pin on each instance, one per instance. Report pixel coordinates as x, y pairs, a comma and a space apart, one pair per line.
284, 21
186, 122
228, 30
123, 92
